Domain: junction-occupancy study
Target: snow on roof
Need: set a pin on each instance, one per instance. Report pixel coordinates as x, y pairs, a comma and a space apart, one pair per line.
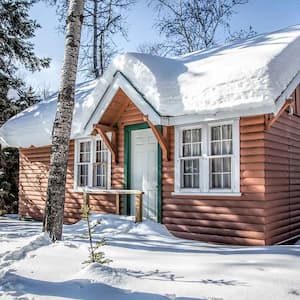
235, 79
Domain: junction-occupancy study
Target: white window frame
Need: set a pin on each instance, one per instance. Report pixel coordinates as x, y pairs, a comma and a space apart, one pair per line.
93, 140
204, 160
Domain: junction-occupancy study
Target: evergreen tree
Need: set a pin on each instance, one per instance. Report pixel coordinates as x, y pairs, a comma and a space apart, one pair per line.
16, 51
9, 169
95, 254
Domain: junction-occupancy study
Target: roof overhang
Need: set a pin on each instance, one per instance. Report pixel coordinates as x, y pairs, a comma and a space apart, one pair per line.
121, 82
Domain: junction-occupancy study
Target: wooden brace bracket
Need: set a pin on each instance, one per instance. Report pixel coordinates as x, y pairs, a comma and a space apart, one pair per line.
271, 119
112, 146
160, 138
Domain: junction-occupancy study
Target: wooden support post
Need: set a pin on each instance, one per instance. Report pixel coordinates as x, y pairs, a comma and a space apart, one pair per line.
86, 199
160, 138
269, 121
139, 208
118, 206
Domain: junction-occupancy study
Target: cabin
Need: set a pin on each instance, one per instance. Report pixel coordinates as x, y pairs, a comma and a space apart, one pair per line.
212, 138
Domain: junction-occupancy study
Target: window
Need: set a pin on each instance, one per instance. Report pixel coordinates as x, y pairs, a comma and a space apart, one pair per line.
220, 157
83, 163
100, 167
92, 164
207, 158
190, 156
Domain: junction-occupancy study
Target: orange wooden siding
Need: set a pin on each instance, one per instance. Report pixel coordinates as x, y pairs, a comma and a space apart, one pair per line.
282, 167
229, 220
34, 166
267, 212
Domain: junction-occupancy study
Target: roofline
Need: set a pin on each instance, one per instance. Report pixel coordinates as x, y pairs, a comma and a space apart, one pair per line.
121, 81
223, 115
287, 93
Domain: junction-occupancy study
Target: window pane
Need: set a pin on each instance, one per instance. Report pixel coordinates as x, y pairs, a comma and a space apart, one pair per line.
227, 164
191, 142
216, 148
187, 181
100, 176
227, 132
85, 152
227, 181
216, 165
216, 133
197, 149
220, 173
187, 150
188, 166
187, 136
196, 135
227, 147
83, 171
195, 166
100, 168
190, 169
216, 181
196, 181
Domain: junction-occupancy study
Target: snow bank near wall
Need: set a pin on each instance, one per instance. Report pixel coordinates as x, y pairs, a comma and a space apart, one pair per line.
235, 78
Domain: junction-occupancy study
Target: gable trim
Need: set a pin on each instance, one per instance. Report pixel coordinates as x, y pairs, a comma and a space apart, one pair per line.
286, 94
122, 82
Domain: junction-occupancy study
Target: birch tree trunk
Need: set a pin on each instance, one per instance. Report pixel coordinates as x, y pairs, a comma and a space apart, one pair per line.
54, 209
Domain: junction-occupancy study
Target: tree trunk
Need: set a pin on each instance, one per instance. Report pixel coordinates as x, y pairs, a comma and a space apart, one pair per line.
54, 209
101, 53
95, 40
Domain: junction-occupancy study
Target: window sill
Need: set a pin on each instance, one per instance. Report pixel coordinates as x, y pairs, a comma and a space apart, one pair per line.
89, 189
222, 194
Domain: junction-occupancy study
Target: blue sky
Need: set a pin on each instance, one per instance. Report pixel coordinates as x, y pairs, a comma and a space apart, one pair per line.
263, 15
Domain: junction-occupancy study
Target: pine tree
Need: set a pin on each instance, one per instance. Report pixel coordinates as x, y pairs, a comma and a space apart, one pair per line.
9, 167
95, 255
16, 30
16, 51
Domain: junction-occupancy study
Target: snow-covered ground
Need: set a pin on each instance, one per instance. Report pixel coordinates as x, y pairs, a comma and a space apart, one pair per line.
148, 263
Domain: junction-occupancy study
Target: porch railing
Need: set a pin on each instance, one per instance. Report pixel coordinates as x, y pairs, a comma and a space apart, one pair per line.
138, 199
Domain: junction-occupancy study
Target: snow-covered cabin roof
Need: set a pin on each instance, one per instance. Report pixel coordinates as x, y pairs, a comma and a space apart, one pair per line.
252, 77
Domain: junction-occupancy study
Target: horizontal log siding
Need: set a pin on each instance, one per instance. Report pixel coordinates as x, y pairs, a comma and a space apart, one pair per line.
267, 212
282, 146
228, 220
34, 166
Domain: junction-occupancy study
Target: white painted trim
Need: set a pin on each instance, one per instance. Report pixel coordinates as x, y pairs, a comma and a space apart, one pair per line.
204, 161
219, 116
93, 140
287, 93
224, 194
119, 81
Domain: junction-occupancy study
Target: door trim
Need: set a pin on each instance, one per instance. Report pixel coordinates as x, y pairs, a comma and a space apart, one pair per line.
127, 164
